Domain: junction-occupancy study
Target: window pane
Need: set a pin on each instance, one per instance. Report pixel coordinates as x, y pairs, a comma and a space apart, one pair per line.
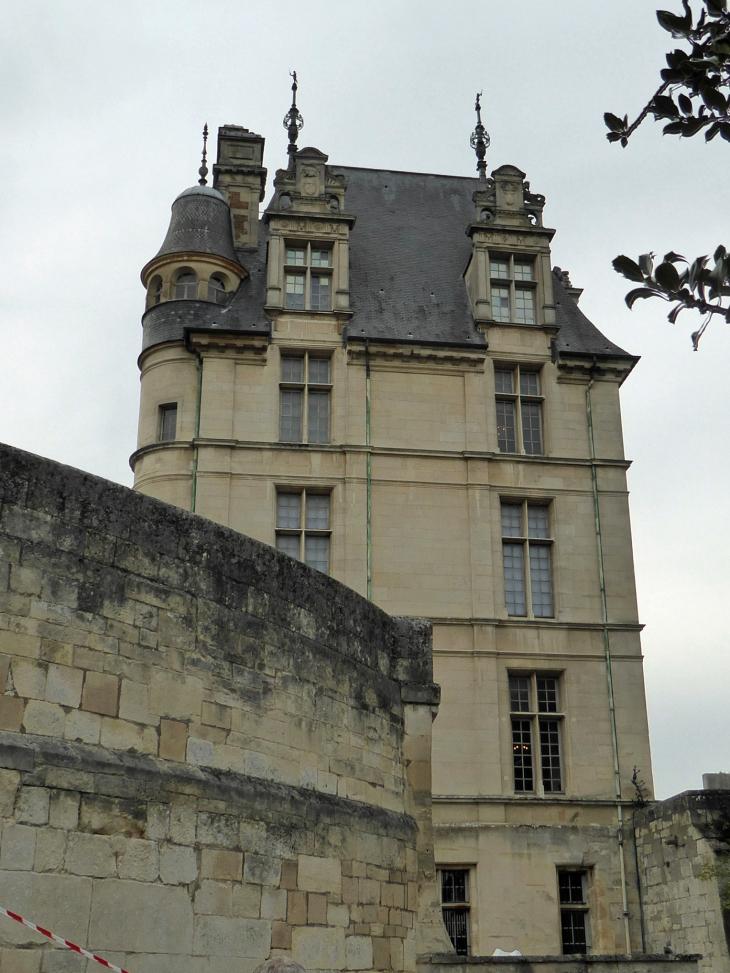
295, 291
503, 380
552, 780
499, 268
500, 303
317, 552
529, 383
531, 432
454, 885
537, 521
570, 886
289, 510
547, 694
523, 271
318, 420
519, 694
216, 291
514, 579
168, 422
573, 927
321, 258
524, 306
320, 293
319, 371
506, 439
292, 369
186, 287
511, 520
522, 755
296, 256
318, 512
291, 416
457, 926
541, 585
289, 544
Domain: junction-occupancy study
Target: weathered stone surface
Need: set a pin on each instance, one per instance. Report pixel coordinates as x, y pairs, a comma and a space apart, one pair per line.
55, 901
221, 936
90, 854
319, 874
156, 918
33, 805
319, 948
178, 864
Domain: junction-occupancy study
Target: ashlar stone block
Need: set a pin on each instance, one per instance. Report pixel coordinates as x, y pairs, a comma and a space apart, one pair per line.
140, 860
49, 850
222, 936
17, 851
12, 709
273, 904
33, 804
9, 780
319, 948
83, 727
359, 953
63, 685
62, 900
134, 916
319, 874
100, 694
178, 864
90, 854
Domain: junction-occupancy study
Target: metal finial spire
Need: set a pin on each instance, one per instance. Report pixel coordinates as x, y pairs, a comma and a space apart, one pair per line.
203, 170
293, 121
480, 141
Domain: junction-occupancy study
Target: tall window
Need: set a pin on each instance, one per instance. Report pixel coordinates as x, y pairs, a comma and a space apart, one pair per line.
156, 290
308, 278
526, 551
303, 527
167, 423
217, 290
519, 410
513, 289
455, 906
536, 716
573, 895
305, 391
186, 286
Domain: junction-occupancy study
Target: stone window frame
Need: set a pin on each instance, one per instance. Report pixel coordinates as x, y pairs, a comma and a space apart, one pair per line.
517, 396
516, 285
573, 916
286, 534
530, 717
167, 416
460, 907
524, 551
308, 390
308, 270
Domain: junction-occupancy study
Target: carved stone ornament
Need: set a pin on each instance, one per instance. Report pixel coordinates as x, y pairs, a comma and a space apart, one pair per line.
310, 182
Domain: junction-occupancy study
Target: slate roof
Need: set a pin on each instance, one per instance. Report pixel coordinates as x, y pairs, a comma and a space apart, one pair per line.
200, 223
408, 253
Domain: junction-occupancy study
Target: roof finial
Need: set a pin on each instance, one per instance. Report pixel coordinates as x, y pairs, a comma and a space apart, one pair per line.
480, 141
293, 121
203, 170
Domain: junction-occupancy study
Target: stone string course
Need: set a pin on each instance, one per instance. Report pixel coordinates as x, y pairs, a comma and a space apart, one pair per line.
209, 753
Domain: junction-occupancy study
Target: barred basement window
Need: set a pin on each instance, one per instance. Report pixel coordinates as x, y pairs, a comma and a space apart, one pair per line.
535, 708
167, 422
307, 278
574, 919
526, 550
303, 527
455, 907
519, 410
305, 390
513, 289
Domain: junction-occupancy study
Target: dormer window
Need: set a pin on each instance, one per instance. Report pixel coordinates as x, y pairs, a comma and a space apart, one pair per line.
217, 290
308, 278
513, 290
186, 286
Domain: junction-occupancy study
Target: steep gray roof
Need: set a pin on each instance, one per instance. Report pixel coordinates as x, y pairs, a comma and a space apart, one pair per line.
200, 223
408, 253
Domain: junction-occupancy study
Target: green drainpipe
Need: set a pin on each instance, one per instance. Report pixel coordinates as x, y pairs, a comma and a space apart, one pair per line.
194, 488
368, 463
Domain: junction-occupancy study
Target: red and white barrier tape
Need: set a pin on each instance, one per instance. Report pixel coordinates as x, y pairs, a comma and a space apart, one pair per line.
63, 942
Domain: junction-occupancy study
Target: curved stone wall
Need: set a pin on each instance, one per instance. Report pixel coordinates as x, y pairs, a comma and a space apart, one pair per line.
210, 752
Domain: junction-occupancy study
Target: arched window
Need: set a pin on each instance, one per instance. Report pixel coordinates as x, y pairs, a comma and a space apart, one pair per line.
156, 290
217, 290
186, 286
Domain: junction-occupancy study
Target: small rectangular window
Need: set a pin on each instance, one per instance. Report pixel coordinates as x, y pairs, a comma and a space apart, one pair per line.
503, 380
506, 432
295, 291
500, 304
524, 306
303, 527
550, 762
527, 561
519, 410
535, 735
499, 269
574, 915
513, 290
522, 755
296, 256
321, 258
523, 271
168, 422
514, 579
311, 287
320, 293
456, 906
519, 694
291, 415
302, 394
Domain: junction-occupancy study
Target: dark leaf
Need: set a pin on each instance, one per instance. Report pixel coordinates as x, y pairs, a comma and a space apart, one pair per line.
641, 292
676, 26
614, 122
665, 106
714, 99
725, 131
719, 253
667, 277
692, 127
673, 128
675, 312
626, 266
624, 141
671, 75
614, 136
712, 132
716, 7
685, 104
673, 257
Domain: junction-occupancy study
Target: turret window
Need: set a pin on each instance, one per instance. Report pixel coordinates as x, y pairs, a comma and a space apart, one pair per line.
167, 425
156, 290
217, 291
513, 290
308, 278
186, 287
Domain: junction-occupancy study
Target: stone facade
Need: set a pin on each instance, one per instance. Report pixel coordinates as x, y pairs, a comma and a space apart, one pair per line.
209, 753
680, 842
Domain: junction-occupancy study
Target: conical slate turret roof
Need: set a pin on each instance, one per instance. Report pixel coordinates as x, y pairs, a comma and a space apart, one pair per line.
200, 223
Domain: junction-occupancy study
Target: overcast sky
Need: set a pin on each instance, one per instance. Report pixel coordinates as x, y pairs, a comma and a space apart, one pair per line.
101, 114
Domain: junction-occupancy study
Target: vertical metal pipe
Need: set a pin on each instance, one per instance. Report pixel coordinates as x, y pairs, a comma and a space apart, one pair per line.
194, 488
609, 669
369, 468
